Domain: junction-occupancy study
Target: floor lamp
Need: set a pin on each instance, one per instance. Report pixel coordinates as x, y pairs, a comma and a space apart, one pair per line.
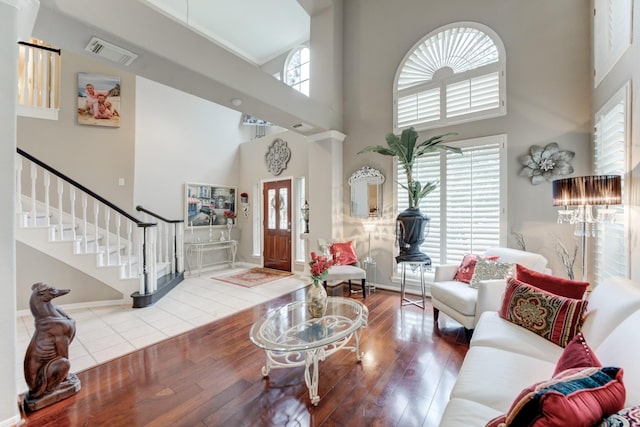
582, 193
369, 227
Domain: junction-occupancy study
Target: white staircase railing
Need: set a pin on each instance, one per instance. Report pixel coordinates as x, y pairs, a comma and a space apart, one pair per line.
116, 237
170, 242
38, 80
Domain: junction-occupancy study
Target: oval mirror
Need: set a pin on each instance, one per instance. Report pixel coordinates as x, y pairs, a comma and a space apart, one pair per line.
366, 192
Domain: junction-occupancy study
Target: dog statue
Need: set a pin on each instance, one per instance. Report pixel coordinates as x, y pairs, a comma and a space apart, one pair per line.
46, 362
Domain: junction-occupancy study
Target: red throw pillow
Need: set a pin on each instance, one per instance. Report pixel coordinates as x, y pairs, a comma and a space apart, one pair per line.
344, 253
551, 316
576, 397
555, 285
577, 354
468, 266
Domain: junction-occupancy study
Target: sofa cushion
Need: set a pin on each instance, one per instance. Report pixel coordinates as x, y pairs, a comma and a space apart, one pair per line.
464, 413
626, 417
583, 395
621, 348
555, 285
488, 270
553, 317
457, 295
577, 354
529, 259
496, 332
609, 304
344, 253
494, 377
467, 267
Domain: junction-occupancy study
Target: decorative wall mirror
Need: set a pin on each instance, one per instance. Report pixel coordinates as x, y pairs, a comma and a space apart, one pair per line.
366, 192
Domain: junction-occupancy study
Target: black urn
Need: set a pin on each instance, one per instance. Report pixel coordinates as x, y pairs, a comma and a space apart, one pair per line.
410, 233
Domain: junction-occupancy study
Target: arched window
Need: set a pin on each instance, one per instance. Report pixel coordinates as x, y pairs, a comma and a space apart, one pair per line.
454, 74
296, 69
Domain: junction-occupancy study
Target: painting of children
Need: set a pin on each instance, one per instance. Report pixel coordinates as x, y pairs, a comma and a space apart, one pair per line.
98, 100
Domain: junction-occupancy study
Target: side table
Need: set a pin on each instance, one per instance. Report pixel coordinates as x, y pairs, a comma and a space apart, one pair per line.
414, 266
371, 270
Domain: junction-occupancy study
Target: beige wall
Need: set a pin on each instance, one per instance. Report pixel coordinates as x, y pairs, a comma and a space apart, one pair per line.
625, 70
548, 98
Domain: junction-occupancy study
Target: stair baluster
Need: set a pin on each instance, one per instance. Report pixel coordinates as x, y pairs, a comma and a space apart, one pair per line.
107, 220
47, 202
118, 253
72, 197
34, 177
60, 210
85, 236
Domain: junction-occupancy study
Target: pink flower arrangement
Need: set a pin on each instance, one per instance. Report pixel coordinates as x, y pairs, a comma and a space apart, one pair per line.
319, 267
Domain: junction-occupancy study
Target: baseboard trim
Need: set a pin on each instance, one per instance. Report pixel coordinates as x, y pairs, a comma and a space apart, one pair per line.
11, 422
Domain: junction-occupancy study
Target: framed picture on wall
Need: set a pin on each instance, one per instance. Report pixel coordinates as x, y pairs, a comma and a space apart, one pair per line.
98, 100
206, 204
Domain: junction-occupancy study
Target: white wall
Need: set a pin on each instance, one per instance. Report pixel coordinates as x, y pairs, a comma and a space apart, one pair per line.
8, 77
181, 138
548, 98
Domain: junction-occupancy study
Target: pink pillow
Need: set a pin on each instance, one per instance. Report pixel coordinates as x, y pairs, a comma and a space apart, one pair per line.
553, 317
555, 285
344, 253
577, 354
468, 266
583, 395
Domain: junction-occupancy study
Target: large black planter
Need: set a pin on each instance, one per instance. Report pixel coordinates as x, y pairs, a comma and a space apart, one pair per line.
410, 233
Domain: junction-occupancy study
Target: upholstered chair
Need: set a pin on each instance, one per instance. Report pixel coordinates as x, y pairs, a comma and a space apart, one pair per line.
465, 302
343, 273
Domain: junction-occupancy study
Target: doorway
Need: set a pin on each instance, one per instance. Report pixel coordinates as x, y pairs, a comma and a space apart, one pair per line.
276, 214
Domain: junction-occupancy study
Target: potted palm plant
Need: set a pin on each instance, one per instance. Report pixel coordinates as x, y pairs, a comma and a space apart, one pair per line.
411, 222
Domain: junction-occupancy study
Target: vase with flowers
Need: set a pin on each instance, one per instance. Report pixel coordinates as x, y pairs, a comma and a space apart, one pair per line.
229, 215
317, 295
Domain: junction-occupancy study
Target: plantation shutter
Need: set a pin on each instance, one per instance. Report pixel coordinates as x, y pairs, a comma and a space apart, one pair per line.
610, 141
466, 207
473, 95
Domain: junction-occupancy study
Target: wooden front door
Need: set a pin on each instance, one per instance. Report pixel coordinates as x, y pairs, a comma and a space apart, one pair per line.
276, 215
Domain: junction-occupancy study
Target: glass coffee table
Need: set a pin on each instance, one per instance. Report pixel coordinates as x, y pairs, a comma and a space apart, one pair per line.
290, 337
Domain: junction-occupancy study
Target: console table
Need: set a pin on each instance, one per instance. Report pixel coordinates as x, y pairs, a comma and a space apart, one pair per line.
195, 253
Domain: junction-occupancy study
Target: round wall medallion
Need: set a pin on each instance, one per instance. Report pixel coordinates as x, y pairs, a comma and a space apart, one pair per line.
277, 156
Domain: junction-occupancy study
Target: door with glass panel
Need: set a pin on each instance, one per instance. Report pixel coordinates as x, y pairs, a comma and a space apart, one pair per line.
277, 224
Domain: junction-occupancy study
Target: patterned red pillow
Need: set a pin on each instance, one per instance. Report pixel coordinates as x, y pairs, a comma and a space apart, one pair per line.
624, 417
344, 253
577, 354
467, 267
583, 395
555, 285
553, 317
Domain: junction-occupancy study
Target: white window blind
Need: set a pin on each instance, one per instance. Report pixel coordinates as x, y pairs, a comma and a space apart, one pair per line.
611, 253
453, 75
467, 207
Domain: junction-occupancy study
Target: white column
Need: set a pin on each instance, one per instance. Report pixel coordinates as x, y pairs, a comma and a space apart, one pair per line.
9, 413
325, 187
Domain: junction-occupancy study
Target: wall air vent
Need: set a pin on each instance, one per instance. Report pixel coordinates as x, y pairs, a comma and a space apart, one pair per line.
110, 51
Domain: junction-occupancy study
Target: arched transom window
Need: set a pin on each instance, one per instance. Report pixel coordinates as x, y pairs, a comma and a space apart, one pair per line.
454, 74
297, 69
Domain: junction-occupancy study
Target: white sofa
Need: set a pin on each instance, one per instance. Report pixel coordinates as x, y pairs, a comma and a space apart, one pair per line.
464, 303
503, 358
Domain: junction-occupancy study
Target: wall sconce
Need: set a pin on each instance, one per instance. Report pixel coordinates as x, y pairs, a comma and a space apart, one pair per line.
244, 204
305, 215
369, 227
584, 192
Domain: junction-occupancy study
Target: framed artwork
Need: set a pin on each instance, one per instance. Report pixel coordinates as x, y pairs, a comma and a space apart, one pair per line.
98, 100
206, 204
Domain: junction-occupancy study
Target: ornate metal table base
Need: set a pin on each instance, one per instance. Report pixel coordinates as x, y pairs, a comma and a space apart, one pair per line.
414, 266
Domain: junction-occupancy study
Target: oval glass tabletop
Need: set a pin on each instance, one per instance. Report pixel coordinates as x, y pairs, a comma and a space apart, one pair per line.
291, 328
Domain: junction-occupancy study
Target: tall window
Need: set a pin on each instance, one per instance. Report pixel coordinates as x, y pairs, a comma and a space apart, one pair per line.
467, 209
297, 71
454, 74
610, 154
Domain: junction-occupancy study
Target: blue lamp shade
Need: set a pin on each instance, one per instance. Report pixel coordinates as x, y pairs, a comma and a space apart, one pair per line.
588, 190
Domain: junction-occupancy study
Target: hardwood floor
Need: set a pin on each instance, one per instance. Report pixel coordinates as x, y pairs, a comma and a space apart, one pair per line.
211, 376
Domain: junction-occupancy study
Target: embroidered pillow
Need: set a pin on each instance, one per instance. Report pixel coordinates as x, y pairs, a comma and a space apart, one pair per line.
555, 285
553, 317
498, 422
467, 266
627, 417
489, 270
344, 253
577, 354
583, 395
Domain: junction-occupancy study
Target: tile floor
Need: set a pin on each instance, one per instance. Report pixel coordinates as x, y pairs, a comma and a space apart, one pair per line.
104, 333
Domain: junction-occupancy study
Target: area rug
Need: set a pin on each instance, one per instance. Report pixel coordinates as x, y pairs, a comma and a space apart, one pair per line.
253, 276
